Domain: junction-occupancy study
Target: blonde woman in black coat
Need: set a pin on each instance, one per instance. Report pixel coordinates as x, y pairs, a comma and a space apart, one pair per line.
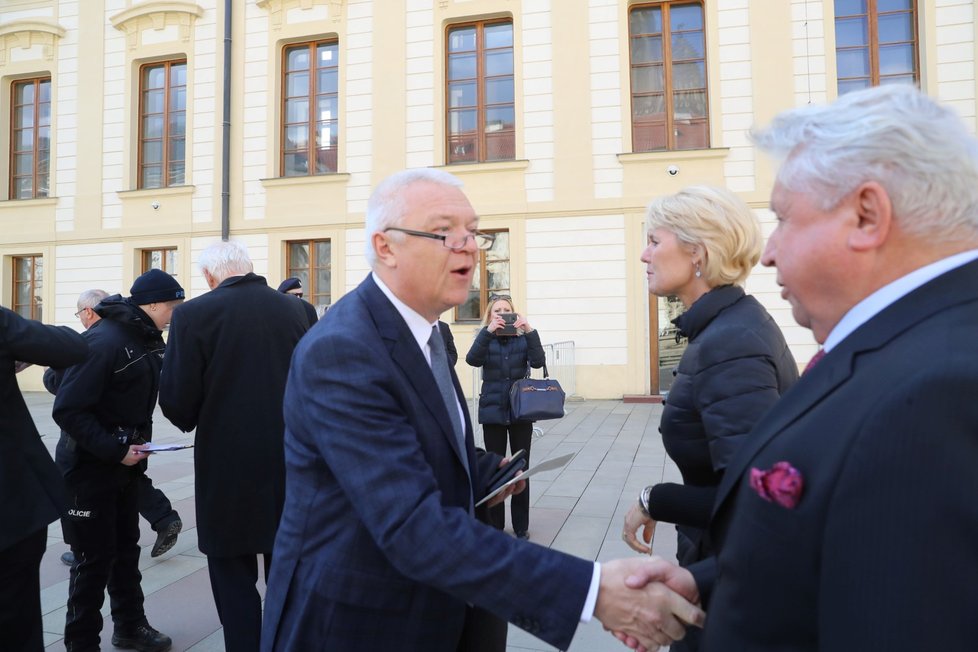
703, 242
504, 359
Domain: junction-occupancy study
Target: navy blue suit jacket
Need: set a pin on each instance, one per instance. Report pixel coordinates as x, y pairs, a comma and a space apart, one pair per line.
377, 548
881, 551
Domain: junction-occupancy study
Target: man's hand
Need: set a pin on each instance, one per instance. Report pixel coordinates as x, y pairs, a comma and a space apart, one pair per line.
511, 490
134, 455
647, 602
635, 519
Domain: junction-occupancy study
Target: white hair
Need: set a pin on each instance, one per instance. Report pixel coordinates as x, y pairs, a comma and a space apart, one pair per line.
90, 298
919, 151
385, 208
225, 259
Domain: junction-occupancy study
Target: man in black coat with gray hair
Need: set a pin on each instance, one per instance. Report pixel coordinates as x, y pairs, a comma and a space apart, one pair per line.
227, 358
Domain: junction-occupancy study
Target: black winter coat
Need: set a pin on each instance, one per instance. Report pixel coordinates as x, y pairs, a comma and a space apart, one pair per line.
31, 488
736, 366
503, 360
114, 388
227, 359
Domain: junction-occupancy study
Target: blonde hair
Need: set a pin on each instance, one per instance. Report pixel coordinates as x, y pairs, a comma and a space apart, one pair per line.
493, 300
717, 220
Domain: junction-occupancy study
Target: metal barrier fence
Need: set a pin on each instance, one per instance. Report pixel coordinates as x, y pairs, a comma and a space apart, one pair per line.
561, 365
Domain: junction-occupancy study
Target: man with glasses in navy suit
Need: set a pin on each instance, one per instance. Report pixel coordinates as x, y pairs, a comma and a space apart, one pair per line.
379, 547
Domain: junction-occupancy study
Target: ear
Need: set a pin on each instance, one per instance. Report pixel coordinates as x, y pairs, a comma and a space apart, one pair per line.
874, 217
382, 248
209, 278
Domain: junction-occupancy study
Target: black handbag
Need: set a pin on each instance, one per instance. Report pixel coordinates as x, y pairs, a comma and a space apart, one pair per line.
531, 399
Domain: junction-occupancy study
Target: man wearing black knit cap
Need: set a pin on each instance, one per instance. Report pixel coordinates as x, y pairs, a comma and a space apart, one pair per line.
293, 286
104, 407
154, 506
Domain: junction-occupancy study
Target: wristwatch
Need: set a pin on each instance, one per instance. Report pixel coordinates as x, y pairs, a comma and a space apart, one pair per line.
643, 500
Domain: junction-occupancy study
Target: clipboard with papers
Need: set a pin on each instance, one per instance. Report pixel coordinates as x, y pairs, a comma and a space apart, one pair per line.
549, 465
158, 448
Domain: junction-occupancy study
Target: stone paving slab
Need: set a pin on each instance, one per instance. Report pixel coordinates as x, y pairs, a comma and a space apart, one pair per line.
577, 509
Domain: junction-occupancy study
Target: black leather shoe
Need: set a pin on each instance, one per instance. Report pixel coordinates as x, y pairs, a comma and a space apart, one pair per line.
143, 638
68, 558
166, 537
523, 535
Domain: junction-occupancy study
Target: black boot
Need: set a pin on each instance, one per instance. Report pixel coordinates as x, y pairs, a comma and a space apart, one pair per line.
166, 535
143, 638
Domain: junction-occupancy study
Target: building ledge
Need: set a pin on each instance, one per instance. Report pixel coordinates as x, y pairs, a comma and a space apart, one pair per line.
459, 169
305, 180
642, 398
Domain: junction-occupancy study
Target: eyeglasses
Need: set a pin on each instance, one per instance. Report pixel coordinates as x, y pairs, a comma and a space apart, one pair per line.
453, 242
80, 311
499, 297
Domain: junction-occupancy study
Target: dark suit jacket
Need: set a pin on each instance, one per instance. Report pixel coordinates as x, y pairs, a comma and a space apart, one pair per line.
881, 552
224, 373
377, 549
31, 486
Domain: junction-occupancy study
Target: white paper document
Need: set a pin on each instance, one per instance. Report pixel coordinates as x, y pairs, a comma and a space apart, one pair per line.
549, 465
156, 448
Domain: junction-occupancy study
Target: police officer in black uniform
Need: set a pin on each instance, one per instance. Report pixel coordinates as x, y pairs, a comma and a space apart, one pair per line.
104, 407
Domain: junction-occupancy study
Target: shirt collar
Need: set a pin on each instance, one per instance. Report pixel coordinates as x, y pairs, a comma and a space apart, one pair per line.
419, 326
872, 305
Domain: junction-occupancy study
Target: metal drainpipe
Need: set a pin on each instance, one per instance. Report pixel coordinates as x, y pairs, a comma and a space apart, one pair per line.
226, 128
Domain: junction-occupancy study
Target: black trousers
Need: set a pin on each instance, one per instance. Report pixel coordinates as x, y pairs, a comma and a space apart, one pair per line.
154, 506
234, 583
20, 593
103, 530
483, 631
520, 435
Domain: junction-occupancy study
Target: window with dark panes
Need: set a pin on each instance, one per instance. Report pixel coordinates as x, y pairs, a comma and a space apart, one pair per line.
164, 259
667, 49
491, 277
481, 112
309, 261
310, 117
162, 124
28, 276
875, 43
30, 138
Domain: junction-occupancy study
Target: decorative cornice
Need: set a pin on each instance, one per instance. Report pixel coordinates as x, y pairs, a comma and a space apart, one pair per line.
27, 33
157, 15
276, 8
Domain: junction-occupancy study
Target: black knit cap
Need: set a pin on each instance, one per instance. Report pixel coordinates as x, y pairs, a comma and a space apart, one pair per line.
291, 283
155, 286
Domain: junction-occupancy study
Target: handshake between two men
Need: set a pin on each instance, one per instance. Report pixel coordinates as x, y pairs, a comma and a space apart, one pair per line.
647, 602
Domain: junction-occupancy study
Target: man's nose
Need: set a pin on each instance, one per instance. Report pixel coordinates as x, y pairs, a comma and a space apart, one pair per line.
767, 256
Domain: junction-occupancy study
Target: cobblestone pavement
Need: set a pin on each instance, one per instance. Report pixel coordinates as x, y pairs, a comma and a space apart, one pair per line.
577, 509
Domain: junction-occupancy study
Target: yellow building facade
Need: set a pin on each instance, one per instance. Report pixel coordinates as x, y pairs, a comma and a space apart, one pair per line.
563, 118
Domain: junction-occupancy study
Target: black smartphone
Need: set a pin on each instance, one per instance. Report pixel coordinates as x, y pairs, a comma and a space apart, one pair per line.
509, 318
516, 463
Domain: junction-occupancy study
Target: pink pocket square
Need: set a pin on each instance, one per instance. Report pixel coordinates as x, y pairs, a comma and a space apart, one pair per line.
781, 484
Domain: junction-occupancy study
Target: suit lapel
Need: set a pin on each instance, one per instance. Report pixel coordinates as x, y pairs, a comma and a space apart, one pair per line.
405, 353
951, 288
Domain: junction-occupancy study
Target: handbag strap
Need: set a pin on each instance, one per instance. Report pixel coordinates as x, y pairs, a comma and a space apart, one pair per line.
546, 374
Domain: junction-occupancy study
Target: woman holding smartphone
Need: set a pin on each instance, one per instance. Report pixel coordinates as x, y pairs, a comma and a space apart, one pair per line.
504, 348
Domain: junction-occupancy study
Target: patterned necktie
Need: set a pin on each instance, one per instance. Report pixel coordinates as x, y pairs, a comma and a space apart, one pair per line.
814, 361
439, 367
